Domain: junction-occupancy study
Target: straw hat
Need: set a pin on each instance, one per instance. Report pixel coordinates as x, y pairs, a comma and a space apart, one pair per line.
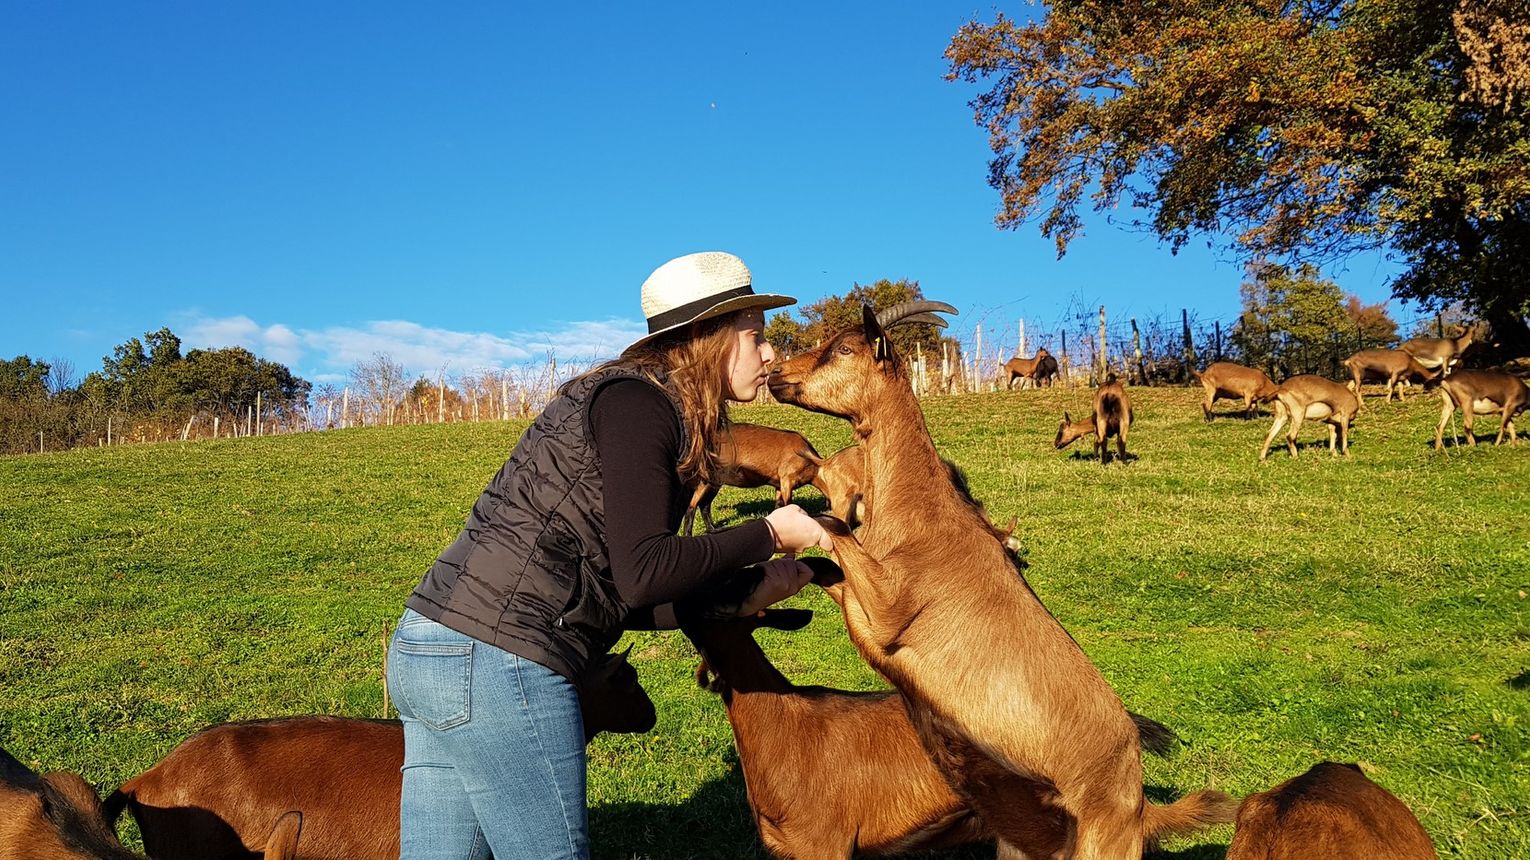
698, 287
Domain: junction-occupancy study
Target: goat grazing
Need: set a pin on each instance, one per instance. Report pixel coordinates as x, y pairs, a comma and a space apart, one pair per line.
1112, 416
865, 784
217, 795
1331, 811
755, 456
1442, 353
1481, 392
1007, 705
1390, 365
1308, 396
1226, 379
53, 817
1036, 368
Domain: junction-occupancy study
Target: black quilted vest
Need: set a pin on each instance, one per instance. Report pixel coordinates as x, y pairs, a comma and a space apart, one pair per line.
529, 572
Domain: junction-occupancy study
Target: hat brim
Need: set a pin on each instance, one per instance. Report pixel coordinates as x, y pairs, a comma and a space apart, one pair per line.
763, 301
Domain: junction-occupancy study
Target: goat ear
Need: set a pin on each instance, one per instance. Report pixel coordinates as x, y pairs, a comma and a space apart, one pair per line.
881, 348
1067, 419
785, 619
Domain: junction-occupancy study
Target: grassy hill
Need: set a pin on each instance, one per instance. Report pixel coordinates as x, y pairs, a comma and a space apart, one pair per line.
1371, 609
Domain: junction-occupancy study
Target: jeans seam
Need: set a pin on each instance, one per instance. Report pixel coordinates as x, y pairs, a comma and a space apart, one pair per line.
480, 843
536, 736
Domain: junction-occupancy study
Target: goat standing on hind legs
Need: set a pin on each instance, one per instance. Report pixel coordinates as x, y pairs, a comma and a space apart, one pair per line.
1011, 710
1112, 416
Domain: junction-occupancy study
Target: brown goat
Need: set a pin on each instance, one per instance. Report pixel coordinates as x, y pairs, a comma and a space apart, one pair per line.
839, 479
1390, 365
53, 817
1226, 379
1112, 416
1443, 353
1309, 396
217, 794
829, 772
755, 456
865, 783
1332, 811
1008, 706
1481, 392
1036, 368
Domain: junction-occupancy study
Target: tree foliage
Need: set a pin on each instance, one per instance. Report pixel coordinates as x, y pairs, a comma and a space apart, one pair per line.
1294, 321
1299, 131
831, 315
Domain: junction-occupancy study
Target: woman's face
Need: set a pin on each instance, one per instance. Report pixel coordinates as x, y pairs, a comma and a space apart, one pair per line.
749, 363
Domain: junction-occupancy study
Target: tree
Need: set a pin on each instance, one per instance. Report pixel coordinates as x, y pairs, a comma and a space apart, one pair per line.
1292, 321
831, 315
380, 382
21, 378
1372, 325
1297, 132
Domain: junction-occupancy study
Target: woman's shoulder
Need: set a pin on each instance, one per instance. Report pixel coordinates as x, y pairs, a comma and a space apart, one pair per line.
632, 404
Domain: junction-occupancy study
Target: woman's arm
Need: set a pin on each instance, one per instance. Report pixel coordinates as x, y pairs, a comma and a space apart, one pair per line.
638, 441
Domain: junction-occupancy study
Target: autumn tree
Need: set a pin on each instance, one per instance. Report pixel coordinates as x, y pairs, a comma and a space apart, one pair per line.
1372, 325
1296, 132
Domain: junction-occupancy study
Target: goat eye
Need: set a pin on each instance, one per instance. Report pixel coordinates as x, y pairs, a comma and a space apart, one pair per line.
845, 350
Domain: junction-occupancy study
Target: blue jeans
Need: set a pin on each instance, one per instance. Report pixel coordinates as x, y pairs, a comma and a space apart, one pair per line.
493, 750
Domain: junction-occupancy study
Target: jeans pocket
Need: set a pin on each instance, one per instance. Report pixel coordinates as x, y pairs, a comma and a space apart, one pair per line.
432, 681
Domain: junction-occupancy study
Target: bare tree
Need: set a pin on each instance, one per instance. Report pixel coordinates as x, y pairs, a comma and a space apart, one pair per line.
60, 376
380, 383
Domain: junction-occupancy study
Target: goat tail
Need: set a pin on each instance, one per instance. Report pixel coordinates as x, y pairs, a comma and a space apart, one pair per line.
113, 805
1110, 407
1155, 737
1188, 814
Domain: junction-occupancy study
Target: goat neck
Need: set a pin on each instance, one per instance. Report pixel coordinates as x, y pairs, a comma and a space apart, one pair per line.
736, 660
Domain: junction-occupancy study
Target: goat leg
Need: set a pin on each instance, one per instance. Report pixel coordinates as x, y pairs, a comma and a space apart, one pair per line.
1447, 409
1280, 420
1297, 415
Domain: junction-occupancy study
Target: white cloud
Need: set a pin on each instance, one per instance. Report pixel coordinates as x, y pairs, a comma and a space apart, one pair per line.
327, 354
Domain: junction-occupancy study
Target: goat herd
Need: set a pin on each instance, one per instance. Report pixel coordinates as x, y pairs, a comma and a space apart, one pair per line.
1000, 730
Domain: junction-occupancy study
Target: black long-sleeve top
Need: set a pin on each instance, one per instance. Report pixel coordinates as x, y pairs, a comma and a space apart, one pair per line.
658, 573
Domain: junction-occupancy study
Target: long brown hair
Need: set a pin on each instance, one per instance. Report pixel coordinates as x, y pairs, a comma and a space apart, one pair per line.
692, 364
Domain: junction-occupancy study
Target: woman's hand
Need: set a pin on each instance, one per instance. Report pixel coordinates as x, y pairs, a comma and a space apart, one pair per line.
795, 531
783, 578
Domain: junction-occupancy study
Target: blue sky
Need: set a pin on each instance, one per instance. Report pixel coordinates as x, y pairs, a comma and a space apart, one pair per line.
470, 185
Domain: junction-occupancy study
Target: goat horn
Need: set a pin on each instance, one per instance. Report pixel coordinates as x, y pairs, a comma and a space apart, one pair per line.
904, 310
926, 318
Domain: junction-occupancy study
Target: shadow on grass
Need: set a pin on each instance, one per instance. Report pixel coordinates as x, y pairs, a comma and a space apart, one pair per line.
813, 504
715, 822
1114, 458
1520, 681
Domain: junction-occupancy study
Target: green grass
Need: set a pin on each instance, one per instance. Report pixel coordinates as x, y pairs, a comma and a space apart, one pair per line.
1369, 609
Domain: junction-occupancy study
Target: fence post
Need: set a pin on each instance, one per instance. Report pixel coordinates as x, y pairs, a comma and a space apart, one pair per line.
1219, 340
1137, 349
1184, 373
977, 360
1065, 364
1103, 368
1021, 352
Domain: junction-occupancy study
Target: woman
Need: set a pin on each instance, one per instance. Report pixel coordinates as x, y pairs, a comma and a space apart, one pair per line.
571, 542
